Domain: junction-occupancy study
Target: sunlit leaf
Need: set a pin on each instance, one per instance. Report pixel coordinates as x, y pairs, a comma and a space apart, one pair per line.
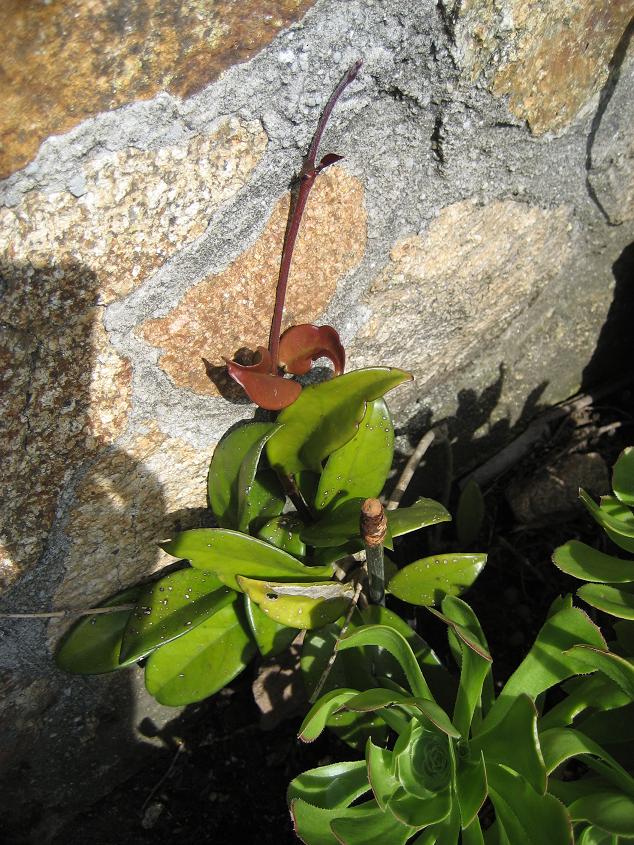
171, 607
202, 662
611, 514
381, 773
587, 693
525, 815
471, 787
614, 667
317, 717
326, 416
546, 664
300, 605
610, 810
332, 786
92, 645
259, 494
623, 477
423, 513
359, 468
397, 645
337, 527
271, 637
609, 599
302, 344
429, 580
582, 561
224, 472
267, 389
283, 532
230, 553
417, 813
523, 754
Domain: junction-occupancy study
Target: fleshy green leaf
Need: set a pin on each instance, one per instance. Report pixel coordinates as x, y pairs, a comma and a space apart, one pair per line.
397, 645
283, 532
366, 824
609, 599
260, 495
381, 773
586, 694
224, 472
359, 468
428, 580
524, 815
326, 416
375, 699
337, 527
471, 788
617, 669
230, 553
623, 477
411, 810
546, 664
171, 607
582, 561
616, 509
317, 717
423, 513
202, 662
330, 787
514, 743
271, 637
92, 645
595, 836
611, 514
300, 605
560, 744
609, 810
470, 513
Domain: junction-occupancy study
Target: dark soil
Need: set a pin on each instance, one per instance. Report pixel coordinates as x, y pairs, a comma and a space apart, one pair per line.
224, 779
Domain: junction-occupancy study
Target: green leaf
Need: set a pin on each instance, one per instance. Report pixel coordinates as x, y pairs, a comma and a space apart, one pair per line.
471, 788
224, 472
381, 773
617, 669
271, 637
611, 514
359, 468
350, 670
260, 495
612, 506
427, 581
317, 717
423, 513
330, 787
514, 743
470, 513
375, 699
230, 553
547, 664
339, 526
472, 835
300, 605
417, 812
171, 607
609, 727
609, 599
202, 662
623, 477
582, 561
319, 826
524, 815
609, 810
283, 532
476, 662
397, 645
560, 744
92, 645
326, 416
591, 690
595, 836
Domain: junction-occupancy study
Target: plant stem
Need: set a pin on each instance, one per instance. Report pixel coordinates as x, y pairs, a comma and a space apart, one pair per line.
410, 468
307, 176
373, 525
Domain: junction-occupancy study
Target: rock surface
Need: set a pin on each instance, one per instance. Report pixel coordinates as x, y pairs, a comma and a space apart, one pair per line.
469, 235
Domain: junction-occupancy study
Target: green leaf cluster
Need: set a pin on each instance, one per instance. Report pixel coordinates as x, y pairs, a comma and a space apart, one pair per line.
286, 496
428, 781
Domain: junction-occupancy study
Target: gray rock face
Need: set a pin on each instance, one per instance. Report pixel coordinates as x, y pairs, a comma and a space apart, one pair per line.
461, 237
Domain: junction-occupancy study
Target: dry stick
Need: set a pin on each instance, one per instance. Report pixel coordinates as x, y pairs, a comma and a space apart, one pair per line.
307, 176
410, 468
324, 675
60, 614
373, 526
179, 749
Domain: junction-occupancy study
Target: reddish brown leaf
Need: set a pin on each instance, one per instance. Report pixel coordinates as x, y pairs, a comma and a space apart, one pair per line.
327, 160
272, 392
303, 344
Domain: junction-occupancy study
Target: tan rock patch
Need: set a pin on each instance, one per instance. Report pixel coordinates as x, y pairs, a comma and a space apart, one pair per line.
129, 501
549, 58
65, 61
64, 391
138, 209
233, 309
448, 293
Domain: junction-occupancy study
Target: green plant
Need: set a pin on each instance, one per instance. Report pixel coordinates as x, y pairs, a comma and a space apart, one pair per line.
287, 498
431, 780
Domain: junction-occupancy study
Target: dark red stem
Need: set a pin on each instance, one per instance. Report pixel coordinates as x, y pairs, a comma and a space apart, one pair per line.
307, 176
